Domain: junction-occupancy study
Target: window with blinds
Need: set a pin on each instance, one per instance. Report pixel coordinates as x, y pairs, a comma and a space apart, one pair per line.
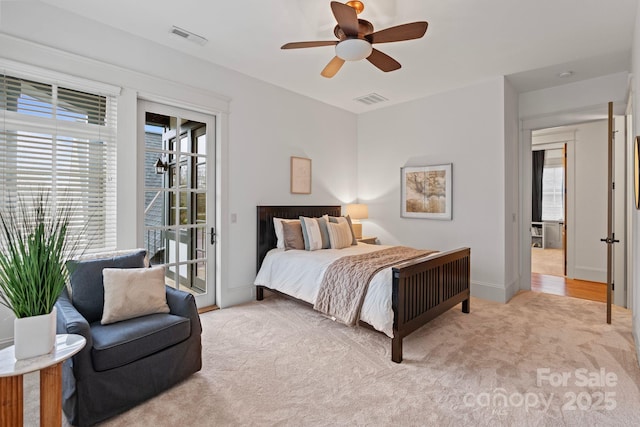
61, 141
553, 186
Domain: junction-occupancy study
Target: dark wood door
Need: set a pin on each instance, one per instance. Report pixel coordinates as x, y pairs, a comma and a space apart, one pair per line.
611, 238
564, 206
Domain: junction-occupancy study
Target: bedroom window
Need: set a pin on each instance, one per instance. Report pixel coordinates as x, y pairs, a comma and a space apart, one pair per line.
553, 187
62, 140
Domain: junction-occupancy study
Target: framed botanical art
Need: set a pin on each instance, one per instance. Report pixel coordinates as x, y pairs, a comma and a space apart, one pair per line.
426, 191
300, 175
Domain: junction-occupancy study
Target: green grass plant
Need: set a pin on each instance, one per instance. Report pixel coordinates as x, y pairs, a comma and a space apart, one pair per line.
34, 249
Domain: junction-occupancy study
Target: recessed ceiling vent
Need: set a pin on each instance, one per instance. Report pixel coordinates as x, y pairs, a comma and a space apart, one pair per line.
372, 98
188, 35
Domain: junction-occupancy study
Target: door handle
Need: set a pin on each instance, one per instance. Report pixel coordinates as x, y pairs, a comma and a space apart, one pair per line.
213, 235
610, 240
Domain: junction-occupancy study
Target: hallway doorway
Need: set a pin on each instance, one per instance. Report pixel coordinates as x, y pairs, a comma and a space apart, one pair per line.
549, 200
567, 257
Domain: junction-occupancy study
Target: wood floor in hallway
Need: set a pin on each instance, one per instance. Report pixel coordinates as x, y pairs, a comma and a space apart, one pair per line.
558, 285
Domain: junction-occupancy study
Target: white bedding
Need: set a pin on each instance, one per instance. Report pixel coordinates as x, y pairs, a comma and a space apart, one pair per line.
299, 273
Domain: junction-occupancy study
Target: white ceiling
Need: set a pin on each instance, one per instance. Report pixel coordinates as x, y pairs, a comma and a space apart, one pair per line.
467, 41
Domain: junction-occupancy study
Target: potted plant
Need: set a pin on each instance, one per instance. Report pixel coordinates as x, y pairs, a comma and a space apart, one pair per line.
34, 249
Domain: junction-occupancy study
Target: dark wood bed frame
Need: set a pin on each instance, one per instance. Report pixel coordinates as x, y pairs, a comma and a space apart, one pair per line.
422, 289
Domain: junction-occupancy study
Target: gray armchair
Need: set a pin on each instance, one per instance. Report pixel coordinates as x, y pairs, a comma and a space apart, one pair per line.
127, 362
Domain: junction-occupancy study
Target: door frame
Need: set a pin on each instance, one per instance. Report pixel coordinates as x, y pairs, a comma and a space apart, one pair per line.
564, 140
212, 296
527, 125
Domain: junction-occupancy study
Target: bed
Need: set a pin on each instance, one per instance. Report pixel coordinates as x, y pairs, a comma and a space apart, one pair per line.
420, 289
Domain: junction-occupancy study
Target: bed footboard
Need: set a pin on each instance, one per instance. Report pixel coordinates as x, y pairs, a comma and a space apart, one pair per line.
425, 288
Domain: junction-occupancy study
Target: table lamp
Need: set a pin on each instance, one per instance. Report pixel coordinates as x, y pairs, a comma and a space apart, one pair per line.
356, 212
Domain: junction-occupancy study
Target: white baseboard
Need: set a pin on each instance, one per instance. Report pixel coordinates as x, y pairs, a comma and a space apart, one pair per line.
491, 292
589, 273
234, 296
512, 289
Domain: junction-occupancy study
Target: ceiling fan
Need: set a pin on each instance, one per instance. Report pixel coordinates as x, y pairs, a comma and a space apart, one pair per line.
356, 37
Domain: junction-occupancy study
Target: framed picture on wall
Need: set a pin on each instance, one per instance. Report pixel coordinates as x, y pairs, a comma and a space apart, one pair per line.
426, 191
300, 175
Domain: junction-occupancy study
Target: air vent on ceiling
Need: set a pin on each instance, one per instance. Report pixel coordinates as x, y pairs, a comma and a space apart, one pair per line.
372, 98
188, 35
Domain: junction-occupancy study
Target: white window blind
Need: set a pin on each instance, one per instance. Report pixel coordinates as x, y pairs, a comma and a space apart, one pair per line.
553, 186
63, 141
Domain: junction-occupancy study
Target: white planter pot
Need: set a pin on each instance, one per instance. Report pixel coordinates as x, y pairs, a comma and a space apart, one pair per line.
35, 335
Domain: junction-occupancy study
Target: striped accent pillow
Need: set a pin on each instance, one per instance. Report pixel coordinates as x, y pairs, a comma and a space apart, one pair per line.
346, 219
339, 235
314, 231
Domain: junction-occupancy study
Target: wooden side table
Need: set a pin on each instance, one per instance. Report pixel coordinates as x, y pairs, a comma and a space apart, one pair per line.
50, 367
372, 240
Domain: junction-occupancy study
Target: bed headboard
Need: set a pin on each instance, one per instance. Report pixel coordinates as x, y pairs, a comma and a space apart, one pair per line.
266, 232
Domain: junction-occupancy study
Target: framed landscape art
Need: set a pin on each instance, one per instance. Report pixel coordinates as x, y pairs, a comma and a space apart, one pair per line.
426, 192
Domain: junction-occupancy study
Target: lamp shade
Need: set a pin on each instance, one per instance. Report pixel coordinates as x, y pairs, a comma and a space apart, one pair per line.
358, 211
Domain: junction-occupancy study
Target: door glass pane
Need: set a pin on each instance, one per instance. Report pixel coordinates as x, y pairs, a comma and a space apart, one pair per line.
184, 174
184, 145
182, 208
201, 271
202, 176
201, 208
156, 243
202, 144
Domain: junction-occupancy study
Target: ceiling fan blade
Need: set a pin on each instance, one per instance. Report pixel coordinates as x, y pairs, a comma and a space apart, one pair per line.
413, 30
332, 67
299, 45
383, 61
347, 18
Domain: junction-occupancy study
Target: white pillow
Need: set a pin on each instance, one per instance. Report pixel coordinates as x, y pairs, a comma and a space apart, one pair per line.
277, 225
133, 292
339, 235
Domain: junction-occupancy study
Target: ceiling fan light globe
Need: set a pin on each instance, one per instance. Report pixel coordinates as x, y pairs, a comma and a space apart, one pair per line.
353, 49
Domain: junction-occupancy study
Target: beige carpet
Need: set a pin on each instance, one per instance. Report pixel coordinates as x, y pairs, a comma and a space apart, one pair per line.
279, 363
547, 261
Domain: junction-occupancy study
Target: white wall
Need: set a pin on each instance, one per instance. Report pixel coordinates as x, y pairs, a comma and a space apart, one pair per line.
512, 214
263, 127
575, 98
465, 127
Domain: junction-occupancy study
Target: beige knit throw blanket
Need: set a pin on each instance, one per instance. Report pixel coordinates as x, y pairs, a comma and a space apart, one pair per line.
346, 280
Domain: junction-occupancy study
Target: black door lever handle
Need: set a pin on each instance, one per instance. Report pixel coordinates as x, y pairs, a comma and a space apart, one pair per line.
610, 240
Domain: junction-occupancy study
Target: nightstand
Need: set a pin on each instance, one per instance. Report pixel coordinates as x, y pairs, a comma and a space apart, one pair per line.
372, 240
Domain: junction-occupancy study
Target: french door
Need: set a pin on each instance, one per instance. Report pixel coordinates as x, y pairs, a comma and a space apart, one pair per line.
179, 196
